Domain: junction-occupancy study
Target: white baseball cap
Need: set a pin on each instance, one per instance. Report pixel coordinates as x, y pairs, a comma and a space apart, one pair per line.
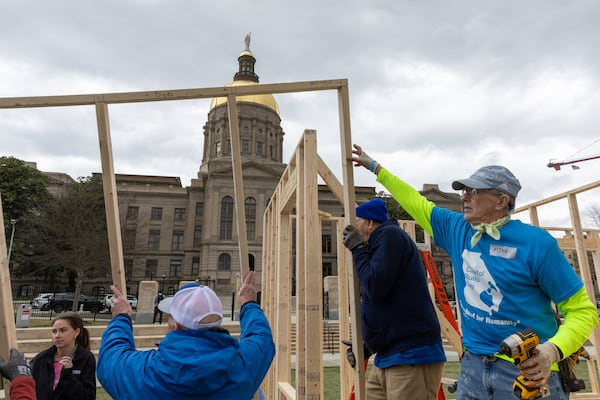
191, 304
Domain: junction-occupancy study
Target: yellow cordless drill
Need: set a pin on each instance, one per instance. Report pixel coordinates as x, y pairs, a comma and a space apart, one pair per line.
520, 347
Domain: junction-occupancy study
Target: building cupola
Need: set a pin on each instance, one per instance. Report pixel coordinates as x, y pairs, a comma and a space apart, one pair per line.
246, 61
245, 77
260, 132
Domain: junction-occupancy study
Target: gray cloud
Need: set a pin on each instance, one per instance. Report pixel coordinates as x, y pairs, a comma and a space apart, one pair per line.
436, 88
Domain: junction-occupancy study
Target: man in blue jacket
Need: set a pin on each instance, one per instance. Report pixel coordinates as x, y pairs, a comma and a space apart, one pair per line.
399, 323
197, 359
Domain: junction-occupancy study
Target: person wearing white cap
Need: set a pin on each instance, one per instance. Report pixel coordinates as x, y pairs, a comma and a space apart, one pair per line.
197, 359
507, 276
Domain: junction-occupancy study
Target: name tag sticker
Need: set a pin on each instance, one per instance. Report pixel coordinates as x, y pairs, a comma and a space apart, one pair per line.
503, 252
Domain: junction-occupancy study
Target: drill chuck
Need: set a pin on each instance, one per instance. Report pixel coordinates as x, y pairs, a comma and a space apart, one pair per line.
520, 345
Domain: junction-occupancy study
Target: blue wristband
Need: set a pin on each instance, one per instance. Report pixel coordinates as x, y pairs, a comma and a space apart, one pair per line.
373, 162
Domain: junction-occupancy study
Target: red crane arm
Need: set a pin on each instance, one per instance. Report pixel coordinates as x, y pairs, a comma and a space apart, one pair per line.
557, 164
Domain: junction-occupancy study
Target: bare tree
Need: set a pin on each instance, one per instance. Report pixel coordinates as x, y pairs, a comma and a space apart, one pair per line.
70, 237
594, 215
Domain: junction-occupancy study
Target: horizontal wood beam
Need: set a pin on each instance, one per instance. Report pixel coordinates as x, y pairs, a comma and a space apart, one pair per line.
166, 95
560, 196
286, 390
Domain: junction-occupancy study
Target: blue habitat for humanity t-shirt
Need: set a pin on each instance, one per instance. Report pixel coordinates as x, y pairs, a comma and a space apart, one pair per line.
504, 285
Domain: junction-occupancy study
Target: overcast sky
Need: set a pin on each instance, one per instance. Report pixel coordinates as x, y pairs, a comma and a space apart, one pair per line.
437, 88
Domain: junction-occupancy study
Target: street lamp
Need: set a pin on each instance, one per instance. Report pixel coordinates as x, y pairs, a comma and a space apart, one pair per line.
12, 236
163, 284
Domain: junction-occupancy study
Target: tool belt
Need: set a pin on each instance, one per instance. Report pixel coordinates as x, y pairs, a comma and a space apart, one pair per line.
566, 368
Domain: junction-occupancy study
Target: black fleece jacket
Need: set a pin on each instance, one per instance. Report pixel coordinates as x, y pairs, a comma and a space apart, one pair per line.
77, 383
396, 309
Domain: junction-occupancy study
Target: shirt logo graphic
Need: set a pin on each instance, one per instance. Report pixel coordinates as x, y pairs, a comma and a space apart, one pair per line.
480, 290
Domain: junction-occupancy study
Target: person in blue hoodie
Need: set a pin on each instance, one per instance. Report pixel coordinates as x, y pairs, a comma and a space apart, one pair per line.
399, 323
197, 359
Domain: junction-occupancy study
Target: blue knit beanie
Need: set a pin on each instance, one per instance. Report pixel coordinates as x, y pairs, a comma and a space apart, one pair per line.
373, 209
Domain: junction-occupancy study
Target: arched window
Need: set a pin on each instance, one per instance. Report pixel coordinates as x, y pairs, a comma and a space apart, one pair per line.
250, 209
226, 218
224, 263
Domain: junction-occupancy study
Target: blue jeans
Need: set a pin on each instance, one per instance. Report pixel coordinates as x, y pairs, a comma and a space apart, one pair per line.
491, 378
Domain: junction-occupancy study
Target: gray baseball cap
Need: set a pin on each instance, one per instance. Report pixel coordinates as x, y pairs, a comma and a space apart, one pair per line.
491, 177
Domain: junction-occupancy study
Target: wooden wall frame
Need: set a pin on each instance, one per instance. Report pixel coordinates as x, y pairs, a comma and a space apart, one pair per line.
296, 199
582, 241
346, 191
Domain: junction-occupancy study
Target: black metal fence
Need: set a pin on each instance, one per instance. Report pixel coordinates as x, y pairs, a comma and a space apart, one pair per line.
50, 314
37, 297
40, 305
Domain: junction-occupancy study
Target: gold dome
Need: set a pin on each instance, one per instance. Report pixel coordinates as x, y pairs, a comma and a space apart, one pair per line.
266, 100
